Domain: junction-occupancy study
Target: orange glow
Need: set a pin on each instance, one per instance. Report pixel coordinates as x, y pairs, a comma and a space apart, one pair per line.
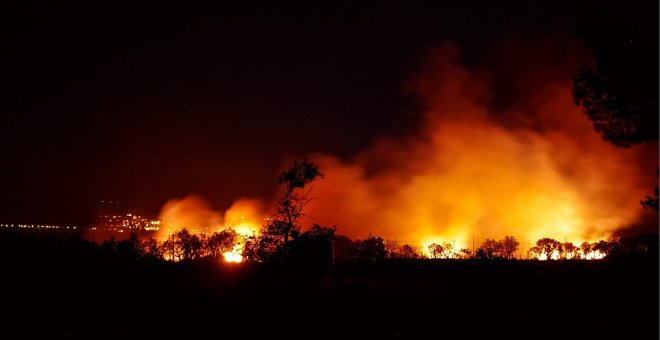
533, 168
594, 255
553, 256
191, 212
245, 216
233, 256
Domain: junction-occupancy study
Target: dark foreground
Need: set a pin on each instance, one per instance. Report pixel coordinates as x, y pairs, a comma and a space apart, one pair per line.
55, 293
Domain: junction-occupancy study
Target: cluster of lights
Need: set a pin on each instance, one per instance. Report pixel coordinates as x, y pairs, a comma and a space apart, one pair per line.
35, 226
128, 222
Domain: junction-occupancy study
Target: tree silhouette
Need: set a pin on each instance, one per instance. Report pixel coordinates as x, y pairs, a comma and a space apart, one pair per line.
172, 249
221, 242
408, 252
191, 245
448, 250
640, 244
436, 250
182, 245
251, 249
585, 247
620, 92
548, 246
130, 249
652, 202
372, 248
534, 252
465, 253
570, 250
508, 246
392, 248
313, 247
295, 185
108, 247
344, 247
490, 249
152, 250
603, 247
480, 254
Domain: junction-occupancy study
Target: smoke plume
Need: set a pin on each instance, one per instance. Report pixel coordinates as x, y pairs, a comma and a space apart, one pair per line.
193, 212
501, 150
497, 154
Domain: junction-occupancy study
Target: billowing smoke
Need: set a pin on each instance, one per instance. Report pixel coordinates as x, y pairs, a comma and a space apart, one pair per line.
196, 214
246, 216
502, 152
483, 166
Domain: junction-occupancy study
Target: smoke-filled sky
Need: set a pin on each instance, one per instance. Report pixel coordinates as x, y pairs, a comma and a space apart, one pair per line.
405, 105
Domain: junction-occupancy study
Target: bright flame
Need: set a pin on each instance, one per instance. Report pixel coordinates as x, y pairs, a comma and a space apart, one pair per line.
593, 255
245, 216
232, 256
456, 246
553, 256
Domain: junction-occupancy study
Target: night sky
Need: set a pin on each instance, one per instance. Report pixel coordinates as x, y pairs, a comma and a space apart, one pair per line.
144, 103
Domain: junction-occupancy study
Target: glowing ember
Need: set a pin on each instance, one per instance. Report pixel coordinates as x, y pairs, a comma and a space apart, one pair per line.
232, 256
553, 256
594, 255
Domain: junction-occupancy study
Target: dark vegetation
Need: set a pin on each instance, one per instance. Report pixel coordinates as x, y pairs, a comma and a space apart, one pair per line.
618, 90
60, 287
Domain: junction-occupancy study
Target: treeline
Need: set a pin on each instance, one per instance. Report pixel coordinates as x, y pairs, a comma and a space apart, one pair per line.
283, 241
320, 246
373, 248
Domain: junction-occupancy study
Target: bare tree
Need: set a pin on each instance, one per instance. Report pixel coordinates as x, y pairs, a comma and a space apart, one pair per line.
296, 187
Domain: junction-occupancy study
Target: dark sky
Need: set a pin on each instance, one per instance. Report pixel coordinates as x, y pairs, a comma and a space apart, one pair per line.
147, 102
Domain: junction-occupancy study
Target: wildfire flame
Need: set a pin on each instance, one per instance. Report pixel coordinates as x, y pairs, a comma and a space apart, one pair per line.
533, 168
245, 216
479, 166
234, 255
